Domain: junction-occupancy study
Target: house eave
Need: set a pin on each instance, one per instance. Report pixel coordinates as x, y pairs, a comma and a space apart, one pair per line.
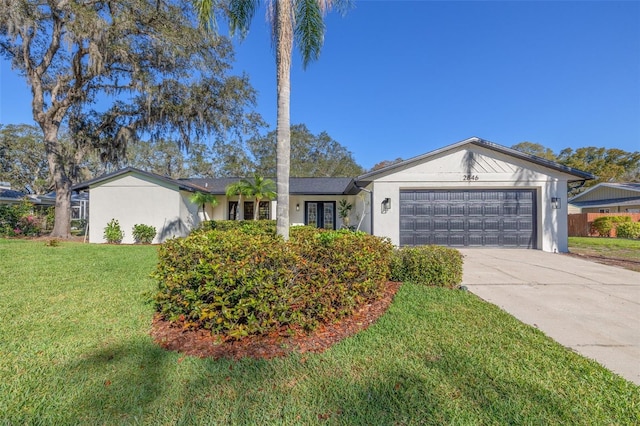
578, 174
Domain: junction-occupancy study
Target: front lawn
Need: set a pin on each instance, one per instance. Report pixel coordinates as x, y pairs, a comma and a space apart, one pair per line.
614, 251
75, 349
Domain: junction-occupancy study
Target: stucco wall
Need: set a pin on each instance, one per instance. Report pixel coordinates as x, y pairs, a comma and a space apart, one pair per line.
138, 200
458, 171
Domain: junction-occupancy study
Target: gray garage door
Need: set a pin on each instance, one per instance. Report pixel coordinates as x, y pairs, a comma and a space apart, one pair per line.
483, 218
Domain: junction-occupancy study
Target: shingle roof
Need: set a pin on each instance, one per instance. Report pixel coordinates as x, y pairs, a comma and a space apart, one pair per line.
182, 184
628, 201
11, 194
297, 185
319, 186
218, 186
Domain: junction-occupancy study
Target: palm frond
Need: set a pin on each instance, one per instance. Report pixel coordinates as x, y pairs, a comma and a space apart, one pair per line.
309, 28
240, 13
205, 10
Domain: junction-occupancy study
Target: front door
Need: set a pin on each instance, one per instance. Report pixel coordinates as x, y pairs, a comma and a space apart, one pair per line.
321, 214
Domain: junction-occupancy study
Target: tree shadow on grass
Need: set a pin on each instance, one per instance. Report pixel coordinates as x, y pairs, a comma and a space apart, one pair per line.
444, 390
117, 382
135, 380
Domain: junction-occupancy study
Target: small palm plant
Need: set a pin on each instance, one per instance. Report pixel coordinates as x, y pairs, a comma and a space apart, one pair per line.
202, 199
344, 210
259, 188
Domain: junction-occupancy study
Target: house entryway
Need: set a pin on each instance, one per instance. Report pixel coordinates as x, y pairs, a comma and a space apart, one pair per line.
321, 214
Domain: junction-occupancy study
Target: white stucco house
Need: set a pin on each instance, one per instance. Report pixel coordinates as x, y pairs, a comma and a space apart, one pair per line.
473, 193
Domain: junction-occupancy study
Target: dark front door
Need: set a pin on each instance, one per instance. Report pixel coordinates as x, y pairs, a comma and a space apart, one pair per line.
321, 214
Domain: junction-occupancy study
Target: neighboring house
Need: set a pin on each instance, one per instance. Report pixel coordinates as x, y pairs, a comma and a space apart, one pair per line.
79, 204
10, 196
473, 193
607, 198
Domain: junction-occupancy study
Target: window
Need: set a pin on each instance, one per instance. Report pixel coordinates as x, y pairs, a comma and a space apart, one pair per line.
264, 213
604, 211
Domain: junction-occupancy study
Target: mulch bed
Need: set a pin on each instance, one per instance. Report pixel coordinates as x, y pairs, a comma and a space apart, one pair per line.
201, 343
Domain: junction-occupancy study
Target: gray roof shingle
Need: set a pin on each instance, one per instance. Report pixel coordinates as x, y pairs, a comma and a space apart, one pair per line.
297, 185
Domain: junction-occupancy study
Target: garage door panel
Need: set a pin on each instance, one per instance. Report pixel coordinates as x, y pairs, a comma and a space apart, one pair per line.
494, 218
440, 210
457, 210
423, 210
476, 240
475, 224
407, 225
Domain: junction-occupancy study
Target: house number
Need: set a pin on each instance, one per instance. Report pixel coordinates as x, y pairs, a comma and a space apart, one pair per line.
470, 177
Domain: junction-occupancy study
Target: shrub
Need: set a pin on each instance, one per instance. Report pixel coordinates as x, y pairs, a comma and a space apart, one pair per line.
604, 224
348, 268
52, 243
254, 227
19, 220
143, 233
628, 230
237, 283
429, 265
113, 233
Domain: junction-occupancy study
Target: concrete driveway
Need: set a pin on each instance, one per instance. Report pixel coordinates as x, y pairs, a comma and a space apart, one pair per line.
591, 308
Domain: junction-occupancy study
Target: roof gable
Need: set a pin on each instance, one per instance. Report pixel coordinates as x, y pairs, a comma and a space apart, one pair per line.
180, 184
608, 191
479, 163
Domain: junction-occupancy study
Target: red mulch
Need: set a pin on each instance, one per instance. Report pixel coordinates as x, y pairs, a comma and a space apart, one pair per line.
201, 343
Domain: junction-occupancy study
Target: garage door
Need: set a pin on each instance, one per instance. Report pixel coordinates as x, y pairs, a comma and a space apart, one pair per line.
466, 218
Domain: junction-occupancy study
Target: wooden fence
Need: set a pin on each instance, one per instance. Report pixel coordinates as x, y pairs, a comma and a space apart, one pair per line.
580, 223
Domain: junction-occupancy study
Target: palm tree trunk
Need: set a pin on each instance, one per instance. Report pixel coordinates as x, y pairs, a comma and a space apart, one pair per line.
284, 44
256, 210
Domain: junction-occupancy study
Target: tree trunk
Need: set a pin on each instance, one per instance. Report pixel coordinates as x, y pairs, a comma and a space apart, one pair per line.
284, 44
240, 209
61, 181
256, 209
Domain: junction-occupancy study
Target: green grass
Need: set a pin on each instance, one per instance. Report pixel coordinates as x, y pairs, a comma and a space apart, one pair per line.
75, 349
617, 248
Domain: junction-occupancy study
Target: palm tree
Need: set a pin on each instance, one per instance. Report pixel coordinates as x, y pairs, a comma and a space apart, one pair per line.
259, 188
240, 189
201, 199
299, 20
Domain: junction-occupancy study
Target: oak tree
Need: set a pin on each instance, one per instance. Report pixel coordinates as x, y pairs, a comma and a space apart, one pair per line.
156, 69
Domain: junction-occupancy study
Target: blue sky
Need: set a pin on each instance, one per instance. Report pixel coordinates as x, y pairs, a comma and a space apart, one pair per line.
401, 78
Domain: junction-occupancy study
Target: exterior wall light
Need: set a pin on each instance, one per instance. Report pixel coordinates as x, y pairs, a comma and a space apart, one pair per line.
555, 203
298, 207
386, 205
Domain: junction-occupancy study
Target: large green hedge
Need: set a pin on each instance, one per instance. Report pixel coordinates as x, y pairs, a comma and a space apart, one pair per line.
245, 281
605, 224
628, 230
